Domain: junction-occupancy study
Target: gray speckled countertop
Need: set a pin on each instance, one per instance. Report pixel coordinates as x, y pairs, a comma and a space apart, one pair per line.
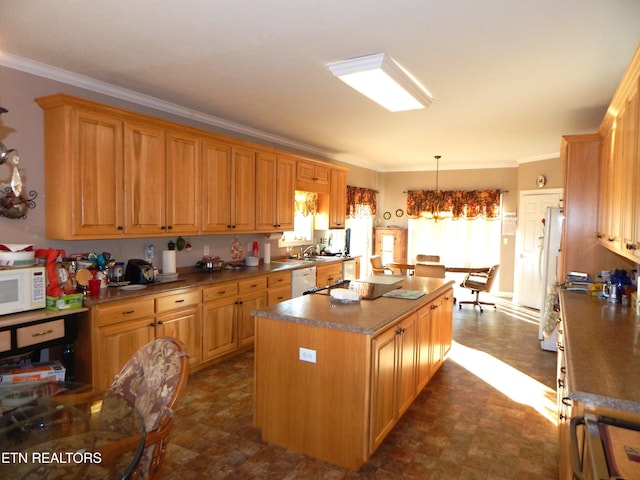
602, 351
366, 317
190, 277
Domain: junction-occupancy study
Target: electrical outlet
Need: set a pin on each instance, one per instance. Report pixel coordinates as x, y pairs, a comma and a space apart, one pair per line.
307, 355
206, 250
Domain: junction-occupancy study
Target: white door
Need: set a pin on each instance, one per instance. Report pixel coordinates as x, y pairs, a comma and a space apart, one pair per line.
531, 211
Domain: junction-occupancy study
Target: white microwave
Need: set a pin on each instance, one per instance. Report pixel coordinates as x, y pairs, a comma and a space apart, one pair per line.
22, 289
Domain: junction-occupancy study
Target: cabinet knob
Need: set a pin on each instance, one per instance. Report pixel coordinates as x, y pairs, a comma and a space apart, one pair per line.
120, 227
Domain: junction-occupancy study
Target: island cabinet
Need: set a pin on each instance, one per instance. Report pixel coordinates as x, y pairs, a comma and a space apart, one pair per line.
393, 376
434, 335
332, 380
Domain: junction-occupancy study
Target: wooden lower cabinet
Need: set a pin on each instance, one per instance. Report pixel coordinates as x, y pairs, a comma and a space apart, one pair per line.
183, 324
219, 332
393, 376
328, 274
279, 287
116, 344
123, 327
227, 324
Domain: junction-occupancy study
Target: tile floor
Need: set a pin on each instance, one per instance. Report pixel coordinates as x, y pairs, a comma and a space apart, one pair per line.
459, 427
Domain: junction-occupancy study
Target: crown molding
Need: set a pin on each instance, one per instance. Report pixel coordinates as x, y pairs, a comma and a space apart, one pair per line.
70, 78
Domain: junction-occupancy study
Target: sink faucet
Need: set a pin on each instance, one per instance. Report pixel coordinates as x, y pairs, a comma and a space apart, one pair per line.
305, 252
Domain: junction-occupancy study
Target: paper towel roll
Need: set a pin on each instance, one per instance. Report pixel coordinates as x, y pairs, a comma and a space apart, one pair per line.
168, 261
266, 252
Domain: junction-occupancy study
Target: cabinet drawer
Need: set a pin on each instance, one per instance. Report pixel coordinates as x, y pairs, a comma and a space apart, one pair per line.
252, 285
219, 291
42, 332
5, 341
331, 269
278, 294
279, 279
177, 301
129, 310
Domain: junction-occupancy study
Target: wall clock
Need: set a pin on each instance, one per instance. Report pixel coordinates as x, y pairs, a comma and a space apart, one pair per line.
399, 212
541, 181
387, 215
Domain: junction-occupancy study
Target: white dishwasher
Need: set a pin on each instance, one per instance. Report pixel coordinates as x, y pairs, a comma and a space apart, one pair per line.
301, 280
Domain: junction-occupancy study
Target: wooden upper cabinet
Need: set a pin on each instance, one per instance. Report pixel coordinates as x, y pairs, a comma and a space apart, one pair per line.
628, 154
83, 171
338, 201
216, 186
112, 173
98, 192
229, 179
312, 176
604, 204
275, 190
183, 182
145, 174
243, 189
619, 200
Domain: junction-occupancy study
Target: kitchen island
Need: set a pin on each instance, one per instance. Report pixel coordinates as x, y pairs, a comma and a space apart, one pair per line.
332, 379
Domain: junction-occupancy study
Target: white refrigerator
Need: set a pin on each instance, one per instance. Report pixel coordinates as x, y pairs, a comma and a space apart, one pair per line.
550, 264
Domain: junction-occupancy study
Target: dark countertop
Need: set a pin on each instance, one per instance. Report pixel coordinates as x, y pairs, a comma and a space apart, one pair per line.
190, 277
367, 316
602, 351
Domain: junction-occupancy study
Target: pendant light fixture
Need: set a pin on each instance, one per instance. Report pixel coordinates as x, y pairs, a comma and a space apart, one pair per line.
438, 210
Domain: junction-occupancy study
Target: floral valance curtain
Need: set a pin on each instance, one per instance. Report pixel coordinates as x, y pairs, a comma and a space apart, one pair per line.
361, 202
467, 204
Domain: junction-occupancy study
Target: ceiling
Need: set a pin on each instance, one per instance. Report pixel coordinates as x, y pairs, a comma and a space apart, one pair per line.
508, 77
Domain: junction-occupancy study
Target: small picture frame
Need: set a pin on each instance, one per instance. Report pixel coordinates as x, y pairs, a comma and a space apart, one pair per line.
386, 215
399, 212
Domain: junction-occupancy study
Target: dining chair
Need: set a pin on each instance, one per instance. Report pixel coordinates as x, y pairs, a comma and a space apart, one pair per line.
376, 266
479, 282
154, 379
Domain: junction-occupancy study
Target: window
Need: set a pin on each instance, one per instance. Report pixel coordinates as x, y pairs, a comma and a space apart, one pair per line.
460, 243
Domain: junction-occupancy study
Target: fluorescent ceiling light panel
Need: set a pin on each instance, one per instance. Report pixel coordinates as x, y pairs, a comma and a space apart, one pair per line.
384, 81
